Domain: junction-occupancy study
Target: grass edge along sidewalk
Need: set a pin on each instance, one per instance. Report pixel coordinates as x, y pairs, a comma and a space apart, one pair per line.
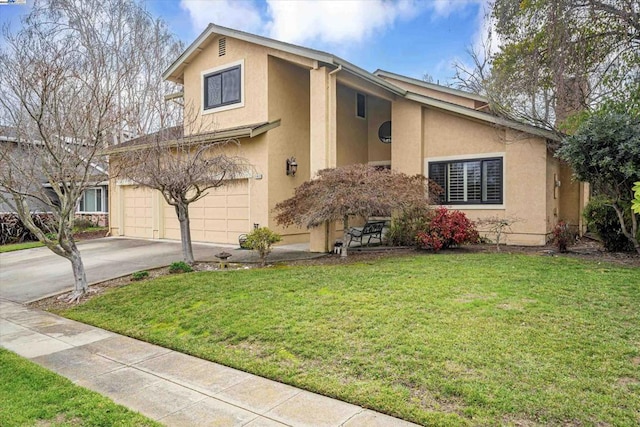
33, 395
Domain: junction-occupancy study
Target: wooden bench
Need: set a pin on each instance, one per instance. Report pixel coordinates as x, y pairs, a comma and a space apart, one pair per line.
371, 230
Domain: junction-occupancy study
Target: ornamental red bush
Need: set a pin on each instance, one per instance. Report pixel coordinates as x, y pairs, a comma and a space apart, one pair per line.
447, 228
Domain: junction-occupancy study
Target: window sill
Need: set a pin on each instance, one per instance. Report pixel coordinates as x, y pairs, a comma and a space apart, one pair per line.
223, 108
487, 207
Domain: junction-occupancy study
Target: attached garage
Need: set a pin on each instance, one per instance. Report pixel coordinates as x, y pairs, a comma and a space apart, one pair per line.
138, 211
219, 217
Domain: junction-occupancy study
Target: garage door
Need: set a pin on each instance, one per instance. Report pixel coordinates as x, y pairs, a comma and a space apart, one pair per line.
137, 212
219, 217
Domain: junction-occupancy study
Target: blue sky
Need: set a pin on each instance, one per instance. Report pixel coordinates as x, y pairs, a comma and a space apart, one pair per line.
410, 37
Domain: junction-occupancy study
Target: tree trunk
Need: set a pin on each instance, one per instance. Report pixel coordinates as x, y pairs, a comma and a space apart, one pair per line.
79, 274
345, 225
182, 211
631, 235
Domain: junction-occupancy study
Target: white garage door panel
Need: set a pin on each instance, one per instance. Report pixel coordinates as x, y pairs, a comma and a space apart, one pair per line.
219, 217
137, 211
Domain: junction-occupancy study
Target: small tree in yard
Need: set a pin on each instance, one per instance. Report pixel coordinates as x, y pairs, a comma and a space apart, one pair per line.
260, 240
182, 168
605, 151
353, 190
498, 226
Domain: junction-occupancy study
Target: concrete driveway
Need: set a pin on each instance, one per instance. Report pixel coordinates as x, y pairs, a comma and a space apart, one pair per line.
32, 274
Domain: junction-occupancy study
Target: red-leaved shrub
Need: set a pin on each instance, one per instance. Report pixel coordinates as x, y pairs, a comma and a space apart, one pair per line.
447, 228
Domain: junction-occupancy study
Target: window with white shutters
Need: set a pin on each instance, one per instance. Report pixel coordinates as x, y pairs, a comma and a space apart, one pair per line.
474, 181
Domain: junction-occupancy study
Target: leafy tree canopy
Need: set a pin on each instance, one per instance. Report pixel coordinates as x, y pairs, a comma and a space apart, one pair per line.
353, 190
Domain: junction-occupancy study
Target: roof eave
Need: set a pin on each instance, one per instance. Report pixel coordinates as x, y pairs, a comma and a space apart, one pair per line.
382, 73
223, 135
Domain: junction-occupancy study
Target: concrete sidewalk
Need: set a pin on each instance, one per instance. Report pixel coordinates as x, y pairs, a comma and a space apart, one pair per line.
167, 386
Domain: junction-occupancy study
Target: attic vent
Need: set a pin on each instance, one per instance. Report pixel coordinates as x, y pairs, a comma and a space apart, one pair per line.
222, 46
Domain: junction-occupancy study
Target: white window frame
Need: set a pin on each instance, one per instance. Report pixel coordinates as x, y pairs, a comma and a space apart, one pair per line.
233, 106
470, 157
103, 200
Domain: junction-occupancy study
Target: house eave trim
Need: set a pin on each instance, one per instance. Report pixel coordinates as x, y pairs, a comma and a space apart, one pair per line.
206, 138
432, 86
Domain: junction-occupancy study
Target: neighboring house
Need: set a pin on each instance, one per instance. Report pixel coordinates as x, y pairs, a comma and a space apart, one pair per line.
281, 101
94, 203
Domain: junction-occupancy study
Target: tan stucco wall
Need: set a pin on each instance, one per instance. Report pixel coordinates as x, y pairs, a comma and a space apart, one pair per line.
254, 88
406, 135
570, 189
353, 138
288, 89
379, 111
525, 198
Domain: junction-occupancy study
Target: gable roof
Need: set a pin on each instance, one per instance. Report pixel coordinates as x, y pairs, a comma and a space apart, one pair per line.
175, 70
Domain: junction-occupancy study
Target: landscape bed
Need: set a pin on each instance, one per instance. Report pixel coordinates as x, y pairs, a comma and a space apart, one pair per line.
455, 339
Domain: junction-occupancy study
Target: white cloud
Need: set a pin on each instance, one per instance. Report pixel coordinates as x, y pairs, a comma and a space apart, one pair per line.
335, 22
237, 14
304, 21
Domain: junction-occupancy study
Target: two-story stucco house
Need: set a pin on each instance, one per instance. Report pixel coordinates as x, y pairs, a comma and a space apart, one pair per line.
282, 101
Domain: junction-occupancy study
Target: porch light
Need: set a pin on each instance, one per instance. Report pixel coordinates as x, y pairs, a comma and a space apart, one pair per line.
292, 166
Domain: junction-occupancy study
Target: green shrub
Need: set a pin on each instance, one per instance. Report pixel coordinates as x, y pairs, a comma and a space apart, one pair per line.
602, 219
405, 227
260, 240
180, 267
139, 275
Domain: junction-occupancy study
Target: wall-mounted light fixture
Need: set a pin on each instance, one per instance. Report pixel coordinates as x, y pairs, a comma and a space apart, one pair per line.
292, 166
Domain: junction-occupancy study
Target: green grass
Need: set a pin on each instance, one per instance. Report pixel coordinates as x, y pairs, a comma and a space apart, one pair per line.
470, 339
28, 245
32, 395
19, 246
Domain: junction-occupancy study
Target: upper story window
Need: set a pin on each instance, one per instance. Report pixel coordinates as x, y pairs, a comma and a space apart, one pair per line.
476, 181
222, 87
361, 105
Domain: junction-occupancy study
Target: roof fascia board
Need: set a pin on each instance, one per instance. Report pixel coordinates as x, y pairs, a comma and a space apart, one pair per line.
247, 132
439, 88
479, 115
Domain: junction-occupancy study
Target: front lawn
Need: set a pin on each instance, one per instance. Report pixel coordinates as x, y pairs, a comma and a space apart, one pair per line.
468, 339
32, 395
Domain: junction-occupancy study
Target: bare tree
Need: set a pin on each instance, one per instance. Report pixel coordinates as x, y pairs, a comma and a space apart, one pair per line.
62, 97
558, 58
355, 190
182, 168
